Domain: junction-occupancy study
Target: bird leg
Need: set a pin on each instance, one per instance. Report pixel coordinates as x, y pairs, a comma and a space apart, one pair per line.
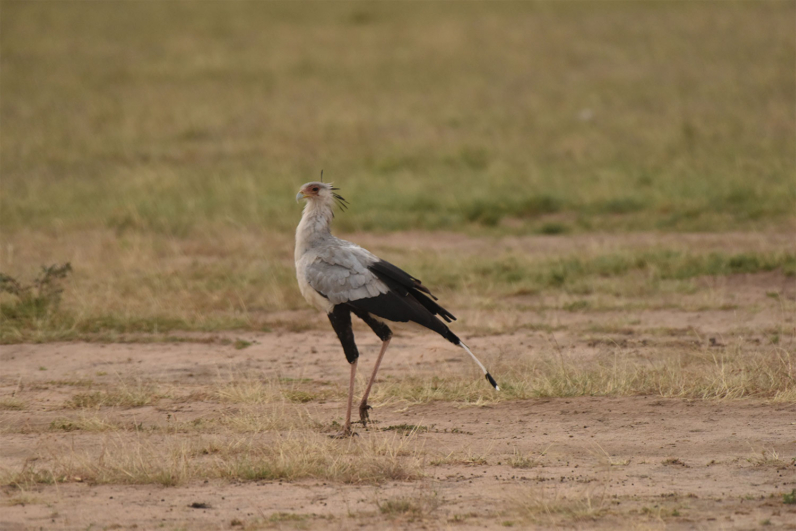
347, 426
363, 406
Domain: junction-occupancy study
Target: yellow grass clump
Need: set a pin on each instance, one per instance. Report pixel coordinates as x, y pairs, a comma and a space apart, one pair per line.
173, 459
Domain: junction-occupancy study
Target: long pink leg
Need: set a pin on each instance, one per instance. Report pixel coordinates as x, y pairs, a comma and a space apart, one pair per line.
363, 406
347, 426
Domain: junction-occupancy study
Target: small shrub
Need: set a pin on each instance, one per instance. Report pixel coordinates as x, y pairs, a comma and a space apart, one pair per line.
620, 205
241, 344
553, 228
36, 300
483, 212
538, 205
577, 306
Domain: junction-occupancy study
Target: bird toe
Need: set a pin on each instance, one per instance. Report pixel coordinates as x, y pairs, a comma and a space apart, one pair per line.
364, 416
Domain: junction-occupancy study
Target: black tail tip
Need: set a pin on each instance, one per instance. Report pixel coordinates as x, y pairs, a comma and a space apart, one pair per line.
492, 381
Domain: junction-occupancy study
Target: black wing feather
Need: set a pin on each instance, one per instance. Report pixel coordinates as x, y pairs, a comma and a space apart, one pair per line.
407, 300
403, 309
405, 284
384, 269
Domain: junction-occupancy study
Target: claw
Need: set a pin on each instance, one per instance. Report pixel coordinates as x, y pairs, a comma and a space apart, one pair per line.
363, 413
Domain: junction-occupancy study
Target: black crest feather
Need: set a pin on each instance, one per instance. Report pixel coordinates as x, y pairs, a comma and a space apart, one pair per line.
342, 203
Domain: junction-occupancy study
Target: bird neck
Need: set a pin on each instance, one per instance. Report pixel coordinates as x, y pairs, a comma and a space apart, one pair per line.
315, 226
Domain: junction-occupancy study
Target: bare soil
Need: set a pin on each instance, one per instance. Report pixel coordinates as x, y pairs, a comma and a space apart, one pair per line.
669, 463
587, 462
597, 462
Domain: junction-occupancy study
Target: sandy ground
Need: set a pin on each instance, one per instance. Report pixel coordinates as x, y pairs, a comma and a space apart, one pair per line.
636, 457
594, 462
599, 462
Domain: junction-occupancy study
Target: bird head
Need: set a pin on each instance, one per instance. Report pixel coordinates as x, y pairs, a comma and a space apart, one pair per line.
321, 193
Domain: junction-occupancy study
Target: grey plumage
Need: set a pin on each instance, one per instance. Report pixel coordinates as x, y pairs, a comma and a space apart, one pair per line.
339, 270
341, 278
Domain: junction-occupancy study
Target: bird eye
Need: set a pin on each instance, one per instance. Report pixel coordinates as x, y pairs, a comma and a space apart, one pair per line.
314, 188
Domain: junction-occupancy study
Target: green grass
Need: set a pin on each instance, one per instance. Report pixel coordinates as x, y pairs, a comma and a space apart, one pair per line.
171, 118
518, 273
189, 298
157, 147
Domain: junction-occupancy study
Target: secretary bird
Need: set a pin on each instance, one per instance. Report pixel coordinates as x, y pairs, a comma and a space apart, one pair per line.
341, 278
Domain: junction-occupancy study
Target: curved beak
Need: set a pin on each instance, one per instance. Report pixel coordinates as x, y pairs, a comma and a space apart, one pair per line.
299, 196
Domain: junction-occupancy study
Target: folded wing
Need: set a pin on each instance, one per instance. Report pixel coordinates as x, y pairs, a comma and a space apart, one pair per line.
347, 274
340, 273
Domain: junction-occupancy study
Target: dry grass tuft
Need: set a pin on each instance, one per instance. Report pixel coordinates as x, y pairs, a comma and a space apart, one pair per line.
553, 505
123, 394
770, 458
11, 404
173, 460
241, 390
245, 390
463, 458
519, 460
419, 504
269, 417
737, 371
21, 498
83, 422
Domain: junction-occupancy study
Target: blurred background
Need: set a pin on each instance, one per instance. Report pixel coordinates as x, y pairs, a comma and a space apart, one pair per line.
158, 147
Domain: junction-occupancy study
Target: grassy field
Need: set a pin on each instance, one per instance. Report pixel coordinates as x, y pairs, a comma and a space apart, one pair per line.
157, 146
121, 287
604, 194
172, 117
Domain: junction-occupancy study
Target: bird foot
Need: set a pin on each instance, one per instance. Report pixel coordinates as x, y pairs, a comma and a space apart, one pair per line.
363, 413
346, 433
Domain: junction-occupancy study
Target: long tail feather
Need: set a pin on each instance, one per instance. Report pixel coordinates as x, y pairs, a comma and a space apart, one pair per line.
488, 376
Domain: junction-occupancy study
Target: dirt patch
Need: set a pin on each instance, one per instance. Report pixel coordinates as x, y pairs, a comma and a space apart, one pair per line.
594, 462
585, 461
